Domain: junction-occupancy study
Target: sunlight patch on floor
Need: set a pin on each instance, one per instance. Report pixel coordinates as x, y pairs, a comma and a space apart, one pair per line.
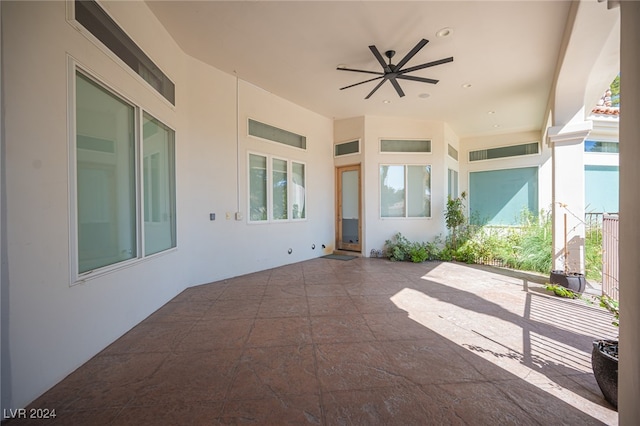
538, 359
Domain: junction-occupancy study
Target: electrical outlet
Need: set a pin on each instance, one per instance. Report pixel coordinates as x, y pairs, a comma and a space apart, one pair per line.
212, 216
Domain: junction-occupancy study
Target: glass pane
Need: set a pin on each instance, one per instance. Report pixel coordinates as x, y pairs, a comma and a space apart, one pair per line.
159, 186
105, 177
601, 188
100, 24
498, 197
390, 145
504, 151
257, 187
350, 207
453, 184
347, 148
453, 153
599, 146
279, 174
298, 191
275, 134
419, 191
392, 191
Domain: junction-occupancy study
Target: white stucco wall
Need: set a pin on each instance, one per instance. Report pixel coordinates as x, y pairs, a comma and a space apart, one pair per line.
378, 229
53, 327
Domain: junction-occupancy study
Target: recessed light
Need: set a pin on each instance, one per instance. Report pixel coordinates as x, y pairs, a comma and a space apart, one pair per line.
496, 125
424, 95
491, 112
466, 85
386, 101
445, 32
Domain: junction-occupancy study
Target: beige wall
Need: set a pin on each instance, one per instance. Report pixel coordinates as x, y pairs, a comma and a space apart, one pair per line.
51, 327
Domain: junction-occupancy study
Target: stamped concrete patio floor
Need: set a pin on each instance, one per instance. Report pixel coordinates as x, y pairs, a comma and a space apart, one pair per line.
363, 342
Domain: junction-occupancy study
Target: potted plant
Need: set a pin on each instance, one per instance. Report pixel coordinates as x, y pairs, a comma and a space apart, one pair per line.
604, 356
574, 281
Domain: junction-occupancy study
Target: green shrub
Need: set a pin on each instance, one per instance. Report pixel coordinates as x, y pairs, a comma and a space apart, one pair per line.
593, 253
399, 248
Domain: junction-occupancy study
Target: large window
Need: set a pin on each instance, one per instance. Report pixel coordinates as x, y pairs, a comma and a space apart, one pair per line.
601, 188
107, 195
276, 189
405, 191
499, 197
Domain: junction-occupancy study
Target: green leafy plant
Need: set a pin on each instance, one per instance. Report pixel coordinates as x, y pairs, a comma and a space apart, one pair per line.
561, 291
399, 248
612, 306
454, 216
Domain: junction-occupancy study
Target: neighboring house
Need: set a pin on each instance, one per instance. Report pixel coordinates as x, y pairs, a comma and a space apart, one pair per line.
601, 161
127, 178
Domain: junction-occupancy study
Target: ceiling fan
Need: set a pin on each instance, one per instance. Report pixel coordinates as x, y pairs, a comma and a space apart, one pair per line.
395, 72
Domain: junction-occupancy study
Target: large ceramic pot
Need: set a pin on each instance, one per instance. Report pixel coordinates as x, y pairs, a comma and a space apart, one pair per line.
573, 281
604, 361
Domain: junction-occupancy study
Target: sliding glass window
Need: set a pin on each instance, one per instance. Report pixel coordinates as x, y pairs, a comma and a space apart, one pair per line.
106, 181
277, 189
106, 168
405, 191
159, 186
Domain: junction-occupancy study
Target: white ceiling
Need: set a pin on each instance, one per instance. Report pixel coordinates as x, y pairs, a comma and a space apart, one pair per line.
506, 50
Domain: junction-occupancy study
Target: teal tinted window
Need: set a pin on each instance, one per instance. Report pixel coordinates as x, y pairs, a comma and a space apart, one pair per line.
601, 189
498, 197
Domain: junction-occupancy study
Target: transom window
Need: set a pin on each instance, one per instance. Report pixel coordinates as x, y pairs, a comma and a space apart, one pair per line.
405, 191
95, 20
275, 134
505, 151
405, 145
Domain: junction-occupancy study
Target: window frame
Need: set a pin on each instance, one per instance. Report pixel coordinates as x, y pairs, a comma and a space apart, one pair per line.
77, 277
269, 187
406, 192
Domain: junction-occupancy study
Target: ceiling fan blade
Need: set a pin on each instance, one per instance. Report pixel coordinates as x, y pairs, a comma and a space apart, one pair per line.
427, 65
380, 59
354, 70
375, 88
422, 43
362, 82
420, 79
397, 86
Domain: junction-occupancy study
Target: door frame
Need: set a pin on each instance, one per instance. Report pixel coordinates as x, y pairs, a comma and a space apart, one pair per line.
340, 245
